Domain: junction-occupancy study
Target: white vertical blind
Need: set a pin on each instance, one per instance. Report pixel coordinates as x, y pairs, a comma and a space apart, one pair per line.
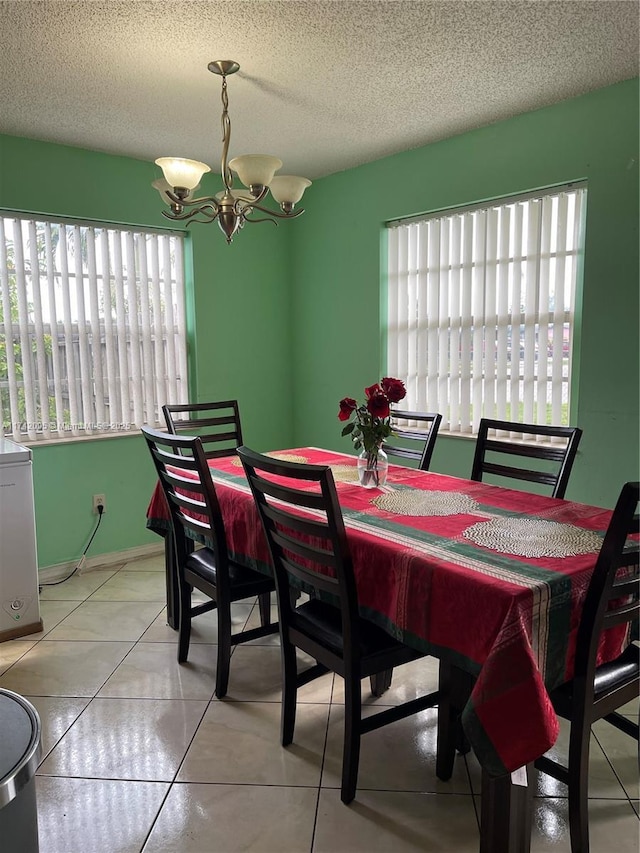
487, 331
10, 368
41, 364
92, 328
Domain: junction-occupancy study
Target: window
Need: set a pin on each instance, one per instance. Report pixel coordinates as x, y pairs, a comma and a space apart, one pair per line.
481, 309
92, 328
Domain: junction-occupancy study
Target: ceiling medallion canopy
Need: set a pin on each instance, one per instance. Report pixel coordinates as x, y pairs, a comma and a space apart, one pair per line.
230, 207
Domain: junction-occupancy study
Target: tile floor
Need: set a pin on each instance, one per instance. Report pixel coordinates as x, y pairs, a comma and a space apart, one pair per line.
139, 756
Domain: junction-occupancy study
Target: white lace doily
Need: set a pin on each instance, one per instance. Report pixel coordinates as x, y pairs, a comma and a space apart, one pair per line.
419, 502
284, 457
530, 537
345, 473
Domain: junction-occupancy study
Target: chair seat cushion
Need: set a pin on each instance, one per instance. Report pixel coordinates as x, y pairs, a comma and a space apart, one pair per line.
608, 676
618, 672
323, 622
243, 580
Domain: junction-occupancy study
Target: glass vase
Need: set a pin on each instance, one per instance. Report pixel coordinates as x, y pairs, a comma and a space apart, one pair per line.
372, 468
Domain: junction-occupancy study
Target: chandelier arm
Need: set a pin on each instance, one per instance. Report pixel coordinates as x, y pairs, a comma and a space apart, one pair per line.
190, 202
202, 221
275, 213
262, 219
189, 214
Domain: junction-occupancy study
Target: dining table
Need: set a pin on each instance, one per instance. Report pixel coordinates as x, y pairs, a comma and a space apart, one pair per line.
488, 579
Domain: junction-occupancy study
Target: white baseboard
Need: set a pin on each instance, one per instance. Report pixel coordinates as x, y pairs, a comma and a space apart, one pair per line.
100, 561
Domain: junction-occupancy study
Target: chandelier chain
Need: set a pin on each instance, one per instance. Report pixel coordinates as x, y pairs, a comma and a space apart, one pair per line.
226, 136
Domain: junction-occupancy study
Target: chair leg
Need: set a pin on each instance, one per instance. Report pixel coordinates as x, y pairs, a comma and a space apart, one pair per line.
447, 715
184, 620
289, 691
381, 682
455, 687
224, 649
351, 748
264, 603
172, 582
579, 786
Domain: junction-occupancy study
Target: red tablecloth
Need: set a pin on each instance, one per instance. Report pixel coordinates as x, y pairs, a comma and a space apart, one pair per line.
509, 619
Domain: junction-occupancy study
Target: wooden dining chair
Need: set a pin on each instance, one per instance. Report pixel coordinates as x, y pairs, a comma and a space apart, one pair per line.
186, 481
598, 691
560, 457
217, 423
422, 440
303, 523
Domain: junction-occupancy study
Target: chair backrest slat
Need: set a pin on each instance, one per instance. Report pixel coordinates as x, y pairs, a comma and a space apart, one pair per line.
629, 556
424, 440
201, 529
311, 553
306, 526
620, 615
201, 418
312, 580
286, 493
525, 474
199, 423
541, 451
627, 586
562, 456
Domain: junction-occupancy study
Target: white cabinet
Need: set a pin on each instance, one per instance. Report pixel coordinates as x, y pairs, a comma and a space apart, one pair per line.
19, 603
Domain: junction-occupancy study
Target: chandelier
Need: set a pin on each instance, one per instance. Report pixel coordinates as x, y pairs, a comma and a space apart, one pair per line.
231, 207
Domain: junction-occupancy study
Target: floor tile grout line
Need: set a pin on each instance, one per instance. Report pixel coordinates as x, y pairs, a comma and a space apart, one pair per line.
173, 782
156, 818
78, 576
471, 791
612, 766
322, 764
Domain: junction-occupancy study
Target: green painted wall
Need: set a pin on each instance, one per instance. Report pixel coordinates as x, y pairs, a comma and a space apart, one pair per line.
336, 266
239, 338
312, 288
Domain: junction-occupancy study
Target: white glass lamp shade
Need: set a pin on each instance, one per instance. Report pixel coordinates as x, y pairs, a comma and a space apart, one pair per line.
254, 169
288, 188
182, 173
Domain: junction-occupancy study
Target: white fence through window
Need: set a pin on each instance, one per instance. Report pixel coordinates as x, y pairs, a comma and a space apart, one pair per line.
92, 328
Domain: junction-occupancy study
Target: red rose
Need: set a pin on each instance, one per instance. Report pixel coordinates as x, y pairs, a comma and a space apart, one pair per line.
394, 389
372, 390
347, 406
378, 405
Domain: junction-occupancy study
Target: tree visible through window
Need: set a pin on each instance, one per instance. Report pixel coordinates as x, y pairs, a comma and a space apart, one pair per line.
481, 309
92, 328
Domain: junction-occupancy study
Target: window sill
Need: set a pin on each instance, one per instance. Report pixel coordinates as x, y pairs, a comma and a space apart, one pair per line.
75, 439
468, 436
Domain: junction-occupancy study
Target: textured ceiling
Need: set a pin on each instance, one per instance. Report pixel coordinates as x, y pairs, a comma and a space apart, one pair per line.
323, 85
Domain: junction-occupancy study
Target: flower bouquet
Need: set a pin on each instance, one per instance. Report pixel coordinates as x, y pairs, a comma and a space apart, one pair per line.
370, 426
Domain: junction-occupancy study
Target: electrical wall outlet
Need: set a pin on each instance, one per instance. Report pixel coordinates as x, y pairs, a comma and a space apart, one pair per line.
99, 500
